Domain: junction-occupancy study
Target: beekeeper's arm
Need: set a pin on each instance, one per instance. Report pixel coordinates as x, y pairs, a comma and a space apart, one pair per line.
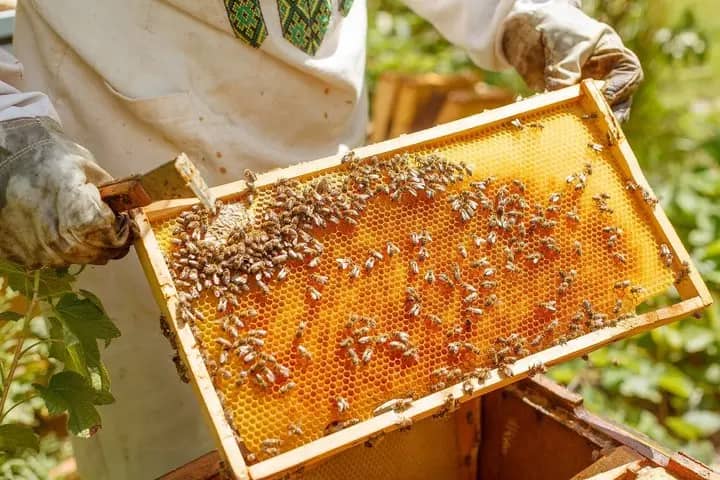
551, 43
50, 211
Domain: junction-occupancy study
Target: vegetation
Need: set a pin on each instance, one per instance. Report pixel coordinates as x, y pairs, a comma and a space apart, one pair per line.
49, 365
665, 383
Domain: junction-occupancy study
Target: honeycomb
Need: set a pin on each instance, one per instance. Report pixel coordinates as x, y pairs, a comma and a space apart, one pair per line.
396, 456
542, 151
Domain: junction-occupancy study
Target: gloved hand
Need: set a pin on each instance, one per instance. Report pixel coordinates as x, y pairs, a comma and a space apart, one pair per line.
553, 44
51, 214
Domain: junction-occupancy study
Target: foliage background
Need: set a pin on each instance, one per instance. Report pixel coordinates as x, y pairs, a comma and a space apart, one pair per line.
665, 384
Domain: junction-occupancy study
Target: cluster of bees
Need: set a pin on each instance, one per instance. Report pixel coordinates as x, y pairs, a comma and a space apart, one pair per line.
262, 252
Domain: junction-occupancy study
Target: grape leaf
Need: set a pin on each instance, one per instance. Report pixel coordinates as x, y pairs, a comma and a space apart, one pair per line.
14, 437
56, 348
86, 318
80, 323
71, 392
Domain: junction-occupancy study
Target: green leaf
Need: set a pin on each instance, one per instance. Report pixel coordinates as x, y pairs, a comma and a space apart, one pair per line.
14, 437
641, 386
713, 249
612, 378
10, 316
676, 382
85, 317
712, 374
53, 282
600, 358
71, 392
56, 349
705, 421
683, 429
563, 373
83, 323
697, 338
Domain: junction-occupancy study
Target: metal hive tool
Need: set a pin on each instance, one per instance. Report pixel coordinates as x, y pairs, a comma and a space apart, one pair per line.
597, 246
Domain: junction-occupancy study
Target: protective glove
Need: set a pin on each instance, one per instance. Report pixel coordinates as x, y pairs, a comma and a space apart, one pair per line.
51, 214
553, 44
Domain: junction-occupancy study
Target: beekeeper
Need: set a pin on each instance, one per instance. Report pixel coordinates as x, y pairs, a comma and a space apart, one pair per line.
236, 84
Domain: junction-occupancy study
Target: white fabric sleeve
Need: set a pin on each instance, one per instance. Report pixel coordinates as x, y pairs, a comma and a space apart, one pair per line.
13, 102
476, 25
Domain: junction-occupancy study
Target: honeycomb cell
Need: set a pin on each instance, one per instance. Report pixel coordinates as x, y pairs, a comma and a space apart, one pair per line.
602, 235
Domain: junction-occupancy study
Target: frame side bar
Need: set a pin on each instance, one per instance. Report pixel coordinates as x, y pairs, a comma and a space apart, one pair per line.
693, 285
163, 287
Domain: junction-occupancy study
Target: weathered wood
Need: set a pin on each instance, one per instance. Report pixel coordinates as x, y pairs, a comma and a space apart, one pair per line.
687, 467
467, 425
623, 472
124, 195
523, 439
207, 467
559, 393
617, 457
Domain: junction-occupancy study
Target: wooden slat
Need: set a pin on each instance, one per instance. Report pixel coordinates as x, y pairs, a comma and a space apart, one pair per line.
619, 456
207, 467
693, 285
467, 425
401, 100
481, 97
623, 472
123, 195
164, 291
687, 467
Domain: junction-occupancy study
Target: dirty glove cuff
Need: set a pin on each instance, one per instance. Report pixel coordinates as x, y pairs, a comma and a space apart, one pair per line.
51, 213
553, 44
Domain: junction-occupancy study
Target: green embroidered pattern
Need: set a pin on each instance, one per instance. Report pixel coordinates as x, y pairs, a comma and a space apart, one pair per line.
345, 6
247, 21
305, 22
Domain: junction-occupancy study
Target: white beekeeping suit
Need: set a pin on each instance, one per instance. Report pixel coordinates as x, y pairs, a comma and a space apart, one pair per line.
236, 84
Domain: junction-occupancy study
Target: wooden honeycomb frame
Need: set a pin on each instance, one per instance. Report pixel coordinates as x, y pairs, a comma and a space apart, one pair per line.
694, 294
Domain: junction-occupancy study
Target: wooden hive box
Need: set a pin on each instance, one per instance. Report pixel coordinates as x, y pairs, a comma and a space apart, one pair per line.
534, 429
553, 303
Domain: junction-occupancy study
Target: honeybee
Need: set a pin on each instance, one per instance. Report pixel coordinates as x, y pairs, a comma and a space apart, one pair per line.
304, 352
342, 405
287, 387
294, 429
